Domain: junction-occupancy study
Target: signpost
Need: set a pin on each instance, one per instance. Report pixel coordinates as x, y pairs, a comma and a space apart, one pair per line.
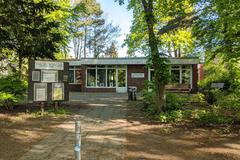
48, 82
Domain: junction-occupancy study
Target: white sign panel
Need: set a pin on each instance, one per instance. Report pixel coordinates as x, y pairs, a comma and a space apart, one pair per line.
137, 75
57, 91
40, 92
49, 65
49, 76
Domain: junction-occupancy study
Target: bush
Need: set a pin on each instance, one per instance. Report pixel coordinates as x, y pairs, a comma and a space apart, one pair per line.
171, 116
12, 90
209, 117
197, 98
174, 101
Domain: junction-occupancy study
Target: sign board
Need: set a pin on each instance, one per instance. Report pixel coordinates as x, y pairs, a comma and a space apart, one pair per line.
49, 76
35, 75
57, 91
217, 85
40, 92
49, 65
137, 75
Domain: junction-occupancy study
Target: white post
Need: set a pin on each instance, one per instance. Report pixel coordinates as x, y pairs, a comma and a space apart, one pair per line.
77, 148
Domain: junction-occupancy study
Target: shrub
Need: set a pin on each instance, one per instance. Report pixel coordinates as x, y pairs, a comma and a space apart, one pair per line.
174, 101
12, 90
197, 98
208, 117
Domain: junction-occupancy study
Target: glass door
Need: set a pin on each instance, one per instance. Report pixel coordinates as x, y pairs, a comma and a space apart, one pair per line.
121, 80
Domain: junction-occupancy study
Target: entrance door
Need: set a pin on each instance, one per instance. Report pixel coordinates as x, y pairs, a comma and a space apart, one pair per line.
121, 80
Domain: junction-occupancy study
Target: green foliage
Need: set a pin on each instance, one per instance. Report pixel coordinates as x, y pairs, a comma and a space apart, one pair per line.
171, 116
174, 102
205, 117
197, 98
33, 28
12, 90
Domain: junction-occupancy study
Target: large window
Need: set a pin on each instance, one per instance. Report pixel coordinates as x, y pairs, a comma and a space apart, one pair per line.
74, 74
111, 77
101, 76
175, 75
91, 77
179, 74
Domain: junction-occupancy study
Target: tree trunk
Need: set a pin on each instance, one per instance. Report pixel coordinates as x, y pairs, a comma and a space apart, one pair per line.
85, 43
20, 62
153, 43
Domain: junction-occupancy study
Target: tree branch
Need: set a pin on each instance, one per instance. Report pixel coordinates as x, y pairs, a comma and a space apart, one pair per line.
179, 22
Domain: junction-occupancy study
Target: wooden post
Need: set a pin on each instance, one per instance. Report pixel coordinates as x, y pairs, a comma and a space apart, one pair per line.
56, 105
42, 108
77, 148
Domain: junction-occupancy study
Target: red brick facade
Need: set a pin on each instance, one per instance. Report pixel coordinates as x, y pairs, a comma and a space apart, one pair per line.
138, 82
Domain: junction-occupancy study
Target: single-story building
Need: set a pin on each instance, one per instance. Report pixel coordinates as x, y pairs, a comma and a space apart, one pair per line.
116, 74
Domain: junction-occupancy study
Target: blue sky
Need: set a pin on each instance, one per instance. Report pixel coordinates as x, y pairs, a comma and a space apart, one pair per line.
120, 16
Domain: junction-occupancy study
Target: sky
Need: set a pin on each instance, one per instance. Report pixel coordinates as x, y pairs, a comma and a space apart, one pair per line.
118, 15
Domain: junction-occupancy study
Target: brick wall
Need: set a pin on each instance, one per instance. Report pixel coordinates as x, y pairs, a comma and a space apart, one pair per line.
138, 82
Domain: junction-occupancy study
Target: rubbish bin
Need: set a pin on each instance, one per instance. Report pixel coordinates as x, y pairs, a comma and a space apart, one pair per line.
132, 93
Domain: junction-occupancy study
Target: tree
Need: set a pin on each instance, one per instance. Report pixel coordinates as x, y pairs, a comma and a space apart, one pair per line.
86, 19
147, 25
218, 33
112, 51
94, 40
31, 29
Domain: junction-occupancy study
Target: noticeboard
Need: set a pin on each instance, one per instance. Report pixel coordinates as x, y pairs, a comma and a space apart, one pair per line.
49, 76
49, 65
58, 91
48, 81
40, 92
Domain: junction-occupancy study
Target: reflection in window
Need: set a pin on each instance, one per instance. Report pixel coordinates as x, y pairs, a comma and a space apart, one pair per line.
101, 77
91, 77
111, 75
77, 76
186, 76
175, 76
121, 78
71, 76
151, 75
74, 74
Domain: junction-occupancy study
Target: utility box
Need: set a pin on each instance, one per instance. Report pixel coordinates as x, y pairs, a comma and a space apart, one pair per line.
48, 81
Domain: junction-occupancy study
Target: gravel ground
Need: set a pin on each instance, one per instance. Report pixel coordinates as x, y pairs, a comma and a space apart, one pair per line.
113, 129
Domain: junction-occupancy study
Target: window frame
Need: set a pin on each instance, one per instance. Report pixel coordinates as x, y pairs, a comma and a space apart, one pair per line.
74, 69
106, 67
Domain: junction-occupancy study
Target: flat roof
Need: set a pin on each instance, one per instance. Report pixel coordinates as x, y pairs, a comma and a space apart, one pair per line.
128, 61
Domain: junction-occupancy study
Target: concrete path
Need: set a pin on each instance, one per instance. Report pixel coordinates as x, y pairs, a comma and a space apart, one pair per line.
103, 118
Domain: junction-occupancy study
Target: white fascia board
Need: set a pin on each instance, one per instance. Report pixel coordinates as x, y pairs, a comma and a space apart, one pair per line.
129, 61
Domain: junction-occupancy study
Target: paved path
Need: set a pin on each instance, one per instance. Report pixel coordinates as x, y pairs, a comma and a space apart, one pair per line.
103, 119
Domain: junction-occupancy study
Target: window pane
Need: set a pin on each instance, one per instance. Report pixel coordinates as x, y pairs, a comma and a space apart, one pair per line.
151, 75
186, 76
111, 77
186, 67
101, 77
71, 76
175, 67
91, 77
175, 76
77, 76
121, 78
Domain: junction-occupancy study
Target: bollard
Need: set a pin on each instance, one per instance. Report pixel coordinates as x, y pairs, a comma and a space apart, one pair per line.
77, 147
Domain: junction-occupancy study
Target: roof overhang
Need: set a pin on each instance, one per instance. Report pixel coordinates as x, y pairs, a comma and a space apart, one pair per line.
129, 61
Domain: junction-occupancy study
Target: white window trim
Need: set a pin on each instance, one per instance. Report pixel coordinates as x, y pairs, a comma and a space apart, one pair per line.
96, 68
180, 70
74, 74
